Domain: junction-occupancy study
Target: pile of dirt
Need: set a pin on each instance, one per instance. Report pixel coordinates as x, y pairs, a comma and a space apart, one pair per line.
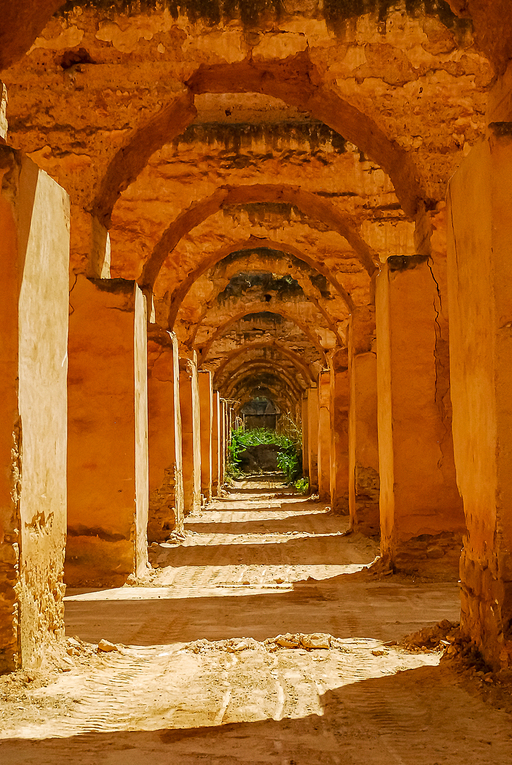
308, 642
444, 636
456, 647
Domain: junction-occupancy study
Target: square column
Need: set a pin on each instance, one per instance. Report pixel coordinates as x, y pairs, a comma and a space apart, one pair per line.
216, 443
206, 427
339, 438
34, 255
223, 431
313, 437
305, 442
108, 477
191, 434
420, 507
3, 112
166, 511
324, 436
480, 278
364, 481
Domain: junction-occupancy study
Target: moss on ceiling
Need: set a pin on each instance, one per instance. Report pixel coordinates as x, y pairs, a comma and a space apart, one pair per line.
284, 287
237, 136
252, 12
263, 316
263, 252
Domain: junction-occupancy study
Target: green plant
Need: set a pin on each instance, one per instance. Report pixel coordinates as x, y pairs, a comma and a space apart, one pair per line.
302, 485
289, 456
288, 461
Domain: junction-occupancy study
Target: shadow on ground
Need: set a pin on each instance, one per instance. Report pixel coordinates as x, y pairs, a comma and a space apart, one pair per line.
347, 608
308, 551
323, 524
417, 717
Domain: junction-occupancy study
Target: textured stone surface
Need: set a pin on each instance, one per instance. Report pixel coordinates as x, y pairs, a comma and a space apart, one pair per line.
191, 434
417, 473
21, 23
34, 251
364, 483
418, 66
164, 437
315, 143
479, 268
107, 463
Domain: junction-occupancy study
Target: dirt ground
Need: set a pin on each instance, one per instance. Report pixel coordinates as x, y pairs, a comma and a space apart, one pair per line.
199, 673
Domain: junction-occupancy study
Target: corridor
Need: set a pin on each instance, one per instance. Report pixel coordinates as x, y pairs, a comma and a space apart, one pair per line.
259, 637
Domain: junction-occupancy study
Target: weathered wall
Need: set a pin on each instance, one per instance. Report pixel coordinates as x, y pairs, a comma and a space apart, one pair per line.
480, 212
34, 253
164, 436
409, 70
363, 444
21, 23
420, 507
492, 25
9, 420
107, 458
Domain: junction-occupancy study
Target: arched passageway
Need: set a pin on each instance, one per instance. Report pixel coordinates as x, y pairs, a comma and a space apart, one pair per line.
284, 374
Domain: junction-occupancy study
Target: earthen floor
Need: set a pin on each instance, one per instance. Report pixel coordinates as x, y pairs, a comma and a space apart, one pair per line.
199, 678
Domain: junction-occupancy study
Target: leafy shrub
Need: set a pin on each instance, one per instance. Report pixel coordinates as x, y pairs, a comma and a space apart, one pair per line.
289, 456
302, 485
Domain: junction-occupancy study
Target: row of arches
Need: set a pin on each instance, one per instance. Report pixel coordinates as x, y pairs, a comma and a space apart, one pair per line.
316, 279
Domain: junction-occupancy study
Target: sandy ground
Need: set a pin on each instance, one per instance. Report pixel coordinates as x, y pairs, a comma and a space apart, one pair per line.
199, 677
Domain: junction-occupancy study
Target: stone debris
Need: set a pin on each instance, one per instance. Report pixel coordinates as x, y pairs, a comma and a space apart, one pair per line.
434, 638
310, 641
232, 645
287, 641
77, 647
106, 646
316, 640
176, 538
66, 664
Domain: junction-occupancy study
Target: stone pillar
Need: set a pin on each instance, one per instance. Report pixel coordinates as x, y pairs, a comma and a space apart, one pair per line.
216, 443
108, 480
166, 511
420, 508
364, 445
3, 112
313, 437
324, 436
480, 295
223, 441
339, 438
90, 244
206, 417
191, 435
305, 441
34, 256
